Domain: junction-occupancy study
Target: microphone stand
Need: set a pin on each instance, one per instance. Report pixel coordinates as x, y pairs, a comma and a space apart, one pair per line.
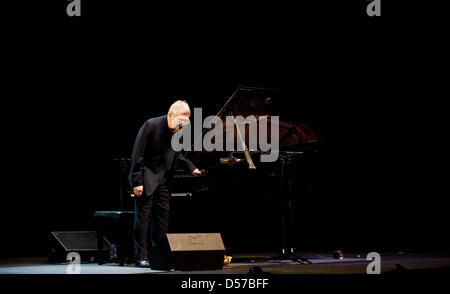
286, 173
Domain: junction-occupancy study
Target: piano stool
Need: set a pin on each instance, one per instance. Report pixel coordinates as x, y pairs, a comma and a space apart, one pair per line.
119, 225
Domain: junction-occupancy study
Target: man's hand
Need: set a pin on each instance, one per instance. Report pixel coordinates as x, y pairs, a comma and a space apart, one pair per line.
196, 172
138, 191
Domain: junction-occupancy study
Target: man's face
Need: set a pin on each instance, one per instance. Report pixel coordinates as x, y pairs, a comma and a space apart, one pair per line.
177, 121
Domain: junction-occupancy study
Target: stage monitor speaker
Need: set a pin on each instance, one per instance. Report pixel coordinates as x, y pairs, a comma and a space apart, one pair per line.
81, 242
194, 251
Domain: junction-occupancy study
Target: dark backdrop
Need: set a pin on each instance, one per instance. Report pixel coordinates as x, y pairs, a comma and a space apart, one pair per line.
79, 89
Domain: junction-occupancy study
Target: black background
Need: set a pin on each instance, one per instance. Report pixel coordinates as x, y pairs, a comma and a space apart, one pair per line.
76, 91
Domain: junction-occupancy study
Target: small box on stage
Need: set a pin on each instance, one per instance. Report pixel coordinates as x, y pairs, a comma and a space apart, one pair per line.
81, 242
195, 251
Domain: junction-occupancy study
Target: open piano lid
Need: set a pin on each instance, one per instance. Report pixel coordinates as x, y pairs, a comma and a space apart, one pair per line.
250, 101
247, 101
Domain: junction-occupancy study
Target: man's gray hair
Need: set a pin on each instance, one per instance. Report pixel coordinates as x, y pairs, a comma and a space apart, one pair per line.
179, 106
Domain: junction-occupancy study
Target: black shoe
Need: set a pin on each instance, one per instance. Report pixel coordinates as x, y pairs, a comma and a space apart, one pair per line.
142, 263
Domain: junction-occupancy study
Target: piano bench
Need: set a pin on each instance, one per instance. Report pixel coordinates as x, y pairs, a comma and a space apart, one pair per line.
117, 225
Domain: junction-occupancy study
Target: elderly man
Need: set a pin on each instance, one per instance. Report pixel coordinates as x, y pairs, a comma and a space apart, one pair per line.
153, 162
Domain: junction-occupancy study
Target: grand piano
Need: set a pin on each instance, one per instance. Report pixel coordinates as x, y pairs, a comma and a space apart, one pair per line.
245, 199
225, 165
240, 196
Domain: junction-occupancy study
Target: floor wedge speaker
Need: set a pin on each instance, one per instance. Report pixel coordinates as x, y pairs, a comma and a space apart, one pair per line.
82, 242
191, 251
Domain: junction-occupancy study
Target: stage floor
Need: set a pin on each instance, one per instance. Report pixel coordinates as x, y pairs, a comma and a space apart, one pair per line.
242, 263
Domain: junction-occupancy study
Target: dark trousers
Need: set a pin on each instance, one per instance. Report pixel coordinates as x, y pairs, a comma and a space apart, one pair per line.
151, 219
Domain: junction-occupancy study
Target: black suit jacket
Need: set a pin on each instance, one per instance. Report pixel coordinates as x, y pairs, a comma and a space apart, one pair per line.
153, 155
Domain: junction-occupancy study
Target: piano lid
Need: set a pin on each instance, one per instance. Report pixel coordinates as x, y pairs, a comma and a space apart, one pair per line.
255, 101
250, 101
247, 101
